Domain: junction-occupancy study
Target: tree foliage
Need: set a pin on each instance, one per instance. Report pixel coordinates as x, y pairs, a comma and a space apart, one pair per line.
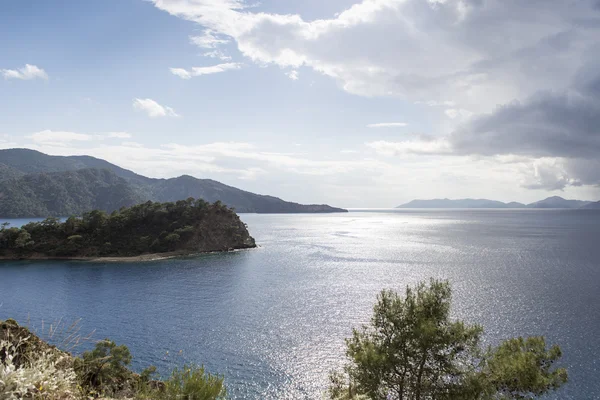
105, 366
193, 383
65, 193
413, 350
186, 225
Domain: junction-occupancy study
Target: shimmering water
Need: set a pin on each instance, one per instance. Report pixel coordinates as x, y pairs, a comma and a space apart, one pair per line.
273, 319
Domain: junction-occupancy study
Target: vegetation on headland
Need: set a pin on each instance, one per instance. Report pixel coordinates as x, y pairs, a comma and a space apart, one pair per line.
412, 350
184, 227
33, 184
32, 369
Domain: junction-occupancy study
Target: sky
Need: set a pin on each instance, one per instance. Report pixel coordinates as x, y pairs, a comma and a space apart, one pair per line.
367, 103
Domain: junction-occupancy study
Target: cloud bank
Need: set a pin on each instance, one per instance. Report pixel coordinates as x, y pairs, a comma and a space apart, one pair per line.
511, 77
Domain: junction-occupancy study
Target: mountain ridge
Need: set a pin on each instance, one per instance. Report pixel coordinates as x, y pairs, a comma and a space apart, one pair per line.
550, 202
595, 205
30, 175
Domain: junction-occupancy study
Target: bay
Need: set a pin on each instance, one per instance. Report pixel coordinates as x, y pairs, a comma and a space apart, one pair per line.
273, 319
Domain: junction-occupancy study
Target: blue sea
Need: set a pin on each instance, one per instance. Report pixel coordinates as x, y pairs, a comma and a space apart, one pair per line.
273, 320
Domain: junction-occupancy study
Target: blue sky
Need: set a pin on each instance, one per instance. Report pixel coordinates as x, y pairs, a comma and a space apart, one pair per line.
358, 104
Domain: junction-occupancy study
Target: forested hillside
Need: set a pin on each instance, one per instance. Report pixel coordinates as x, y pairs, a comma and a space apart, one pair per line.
65, 193
33, 184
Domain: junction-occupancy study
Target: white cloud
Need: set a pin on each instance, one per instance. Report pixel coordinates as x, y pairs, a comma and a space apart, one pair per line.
59, 138
216, 54
180, 72
199, 71
249, 154
454, 113
433, 103
64, 138
293, 75
6, 142
28, 72
434, 52
424, 146
251, 173
118, 135
132, 144
208, 40
388, 125
546, 173
153, 109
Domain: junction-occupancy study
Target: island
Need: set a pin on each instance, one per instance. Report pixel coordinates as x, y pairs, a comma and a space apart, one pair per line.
550, 202
147, 231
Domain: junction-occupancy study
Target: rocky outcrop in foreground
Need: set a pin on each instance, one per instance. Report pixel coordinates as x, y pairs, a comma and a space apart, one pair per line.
30, 368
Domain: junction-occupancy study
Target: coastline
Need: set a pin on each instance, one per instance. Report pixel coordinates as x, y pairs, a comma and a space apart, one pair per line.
127, 259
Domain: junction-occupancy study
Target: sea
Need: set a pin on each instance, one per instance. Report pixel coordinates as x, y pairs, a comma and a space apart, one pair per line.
273, 320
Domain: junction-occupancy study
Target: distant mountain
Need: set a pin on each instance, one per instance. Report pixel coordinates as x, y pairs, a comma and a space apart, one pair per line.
37, 184
558, 202
550, 202
187, 186
29, 161
460, 203
591, 206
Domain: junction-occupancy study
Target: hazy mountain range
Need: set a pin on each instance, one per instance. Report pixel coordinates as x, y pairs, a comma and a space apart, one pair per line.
550, 202
34, 184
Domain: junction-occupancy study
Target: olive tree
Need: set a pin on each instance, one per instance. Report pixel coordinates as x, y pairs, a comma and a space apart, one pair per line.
413, 350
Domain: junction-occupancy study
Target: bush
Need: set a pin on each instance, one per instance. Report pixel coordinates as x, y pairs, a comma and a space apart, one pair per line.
193, 383
32, 369
104, 369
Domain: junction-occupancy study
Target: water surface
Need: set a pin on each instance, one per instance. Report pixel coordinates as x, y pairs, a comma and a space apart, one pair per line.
273, 320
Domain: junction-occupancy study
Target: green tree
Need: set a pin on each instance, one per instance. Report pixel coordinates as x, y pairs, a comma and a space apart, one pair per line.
23, 240
522, 368
105, 367
412, 350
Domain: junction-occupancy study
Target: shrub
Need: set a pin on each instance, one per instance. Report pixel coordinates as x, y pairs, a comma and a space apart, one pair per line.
104, 369
193, 383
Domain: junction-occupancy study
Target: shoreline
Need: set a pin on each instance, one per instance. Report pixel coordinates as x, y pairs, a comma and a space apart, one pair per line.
127, 259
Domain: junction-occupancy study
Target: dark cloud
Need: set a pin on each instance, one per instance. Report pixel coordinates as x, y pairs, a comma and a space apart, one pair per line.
548, 124
586, 171
563, 126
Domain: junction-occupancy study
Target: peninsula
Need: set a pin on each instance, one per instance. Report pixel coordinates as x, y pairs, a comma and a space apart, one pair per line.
142, 232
